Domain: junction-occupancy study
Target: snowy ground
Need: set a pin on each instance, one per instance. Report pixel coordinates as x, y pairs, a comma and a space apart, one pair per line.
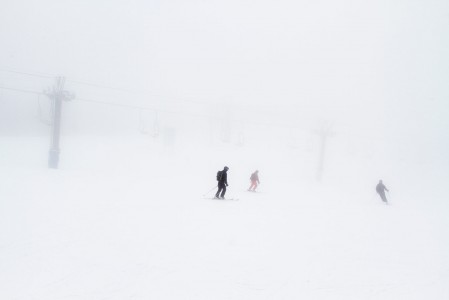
123, 219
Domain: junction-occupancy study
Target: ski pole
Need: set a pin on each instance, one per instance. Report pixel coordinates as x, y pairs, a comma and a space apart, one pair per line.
210, 190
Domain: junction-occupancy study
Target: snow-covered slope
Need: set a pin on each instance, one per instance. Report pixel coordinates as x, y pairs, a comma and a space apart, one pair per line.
126, 219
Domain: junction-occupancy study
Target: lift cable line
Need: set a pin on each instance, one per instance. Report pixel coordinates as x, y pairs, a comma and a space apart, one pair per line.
101, 86
41, 75
173, 98
116, 104
142, 108
129, 106
48, 76
104, 86
21, 90
137, 107
102, 102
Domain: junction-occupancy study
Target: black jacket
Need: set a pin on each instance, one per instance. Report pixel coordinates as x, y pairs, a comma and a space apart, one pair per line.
224, 177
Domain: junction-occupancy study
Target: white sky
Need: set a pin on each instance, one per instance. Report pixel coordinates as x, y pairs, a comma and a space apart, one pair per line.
369, 64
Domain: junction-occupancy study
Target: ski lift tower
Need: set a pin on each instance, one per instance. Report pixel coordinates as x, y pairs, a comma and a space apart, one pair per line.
56, 95
324, 133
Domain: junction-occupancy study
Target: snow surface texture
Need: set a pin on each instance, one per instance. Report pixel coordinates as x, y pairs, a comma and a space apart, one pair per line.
124, 219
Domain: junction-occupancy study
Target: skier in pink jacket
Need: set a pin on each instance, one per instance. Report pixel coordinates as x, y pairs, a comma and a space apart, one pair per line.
254, 181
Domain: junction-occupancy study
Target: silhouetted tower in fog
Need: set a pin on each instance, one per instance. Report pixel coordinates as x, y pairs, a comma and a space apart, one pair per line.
56, 95
324, 132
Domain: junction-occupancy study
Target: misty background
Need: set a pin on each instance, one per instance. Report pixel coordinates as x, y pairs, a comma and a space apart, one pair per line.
323, 97
374, 72
273, 72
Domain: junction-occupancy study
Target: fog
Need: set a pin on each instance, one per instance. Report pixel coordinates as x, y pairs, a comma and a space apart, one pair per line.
377, 67
377, 72
331, 95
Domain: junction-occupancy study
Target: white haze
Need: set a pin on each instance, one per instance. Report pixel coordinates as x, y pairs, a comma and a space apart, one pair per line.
180, 88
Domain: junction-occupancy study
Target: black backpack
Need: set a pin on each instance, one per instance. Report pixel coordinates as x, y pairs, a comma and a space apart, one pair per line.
219, 175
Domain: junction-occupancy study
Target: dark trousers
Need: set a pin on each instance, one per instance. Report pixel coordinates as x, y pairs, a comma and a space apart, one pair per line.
222, 189
383, 197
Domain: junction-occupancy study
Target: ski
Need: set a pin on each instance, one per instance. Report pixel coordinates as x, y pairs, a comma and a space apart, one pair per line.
227, 199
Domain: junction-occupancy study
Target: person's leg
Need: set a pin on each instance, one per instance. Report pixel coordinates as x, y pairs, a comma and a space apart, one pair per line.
251, 186
220, 187
384, 198
223, 192
254, 186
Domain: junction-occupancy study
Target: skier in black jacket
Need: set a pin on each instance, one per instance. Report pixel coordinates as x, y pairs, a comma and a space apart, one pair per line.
222, 178
380, 189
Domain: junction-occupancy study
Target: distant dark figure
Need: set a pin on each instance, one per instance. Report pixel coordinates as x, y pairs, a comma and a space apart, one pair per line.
254, 181
222, 178
380, 189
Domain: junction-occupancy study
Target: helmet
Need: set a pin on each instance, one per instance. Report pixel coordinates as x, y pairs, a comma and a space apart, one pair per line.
226, 168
